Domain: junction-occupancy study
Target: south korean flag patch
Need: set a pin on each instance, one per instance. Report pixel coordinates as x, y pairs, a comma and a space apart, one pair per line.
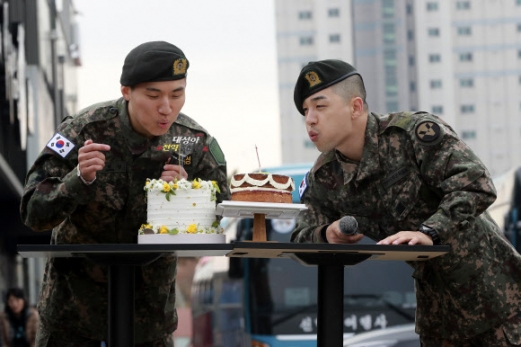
60, 144
303, 186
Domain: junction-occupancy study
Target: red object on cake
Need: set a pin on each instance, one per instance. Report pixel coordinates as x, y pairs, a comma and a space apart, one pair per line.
262, 187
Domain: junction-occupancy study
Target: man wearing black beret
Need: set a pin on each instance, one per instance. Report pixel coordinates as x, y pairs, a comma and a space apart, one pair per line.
87, 186
407, 178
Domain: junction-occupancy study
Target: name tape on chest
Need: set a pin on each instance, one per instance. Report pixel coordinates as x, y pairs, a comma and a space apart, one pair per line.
60, 144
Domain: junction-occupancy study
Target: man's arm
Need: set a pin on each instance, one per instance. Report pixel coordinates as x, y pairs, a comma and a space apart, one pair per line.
54, 188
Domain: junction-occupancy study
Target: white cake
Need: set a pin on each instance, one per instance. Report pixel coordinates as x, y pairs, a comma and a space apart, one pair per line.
180, 208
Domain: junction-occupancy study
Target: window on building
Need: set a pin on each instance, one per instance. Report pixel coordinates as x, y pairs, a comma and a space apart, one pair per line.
408, 8
465, 56
305, 15
390, 56
391, 106
437, 110
432, 6
410, 35
518, 27
334, 38
434, 58
433, 32
519, 79
388, 8
463, 5
519, 54
468, 134
435, 84
412, 86
391, 81
467, 108
411, 60
391, 91
306, 41
390, 71
464, 31
518, 2
466, 82
333, 12
389, 33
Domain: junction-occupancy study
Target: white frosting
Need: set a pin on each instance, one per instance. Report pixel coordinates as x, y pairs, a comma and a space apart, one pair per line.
235, 184
251, 189
186, 210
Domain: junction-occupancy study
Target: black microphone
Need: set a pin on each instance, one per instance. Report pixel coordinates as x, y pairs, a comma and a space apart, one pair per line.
348, 225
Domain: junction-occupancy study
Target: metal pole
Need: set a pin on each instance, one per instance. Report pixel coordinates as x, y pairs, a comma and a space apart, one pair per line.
330, 324
121, 306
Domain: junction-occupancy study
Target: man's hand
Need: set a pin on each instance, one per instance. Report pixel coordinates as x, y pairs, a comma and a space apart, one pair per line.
91, 159
334, 235
408, 237
173, 171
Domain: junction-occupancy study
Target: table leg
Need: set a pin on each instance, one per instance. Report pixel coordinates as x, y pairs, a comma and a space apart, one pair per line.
259, 227
121, 306
330, 329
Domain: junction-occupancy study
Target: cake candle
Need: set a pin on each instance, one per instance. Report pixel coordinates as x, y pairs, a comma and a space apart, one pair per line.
258, 160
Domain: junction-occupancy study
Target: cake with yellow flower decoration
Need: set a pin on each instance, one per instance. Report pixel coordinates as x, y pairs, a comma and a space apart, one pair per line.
181, 211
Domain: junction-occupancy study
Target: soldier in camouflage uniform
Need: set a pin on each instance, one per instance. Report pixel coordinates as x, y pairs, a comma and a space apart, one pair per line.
408, 179
87, 185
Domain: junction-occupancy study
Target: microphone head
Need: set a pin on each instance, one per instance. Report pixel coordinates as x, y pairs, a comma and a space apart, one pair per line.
348, 225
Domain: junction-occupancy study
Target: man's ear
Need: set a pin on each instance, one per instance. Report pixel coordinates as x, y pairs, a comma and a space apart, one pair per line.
125, 91
357, 105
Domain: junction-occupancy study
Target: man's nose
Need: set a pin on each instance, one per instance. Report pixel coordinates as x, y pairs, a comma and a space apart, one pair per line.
164, 106
311, 117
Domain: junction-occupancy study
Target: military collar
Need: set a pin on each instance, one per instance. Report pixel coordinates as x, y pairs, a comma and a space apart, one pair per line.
137, 143
369, 163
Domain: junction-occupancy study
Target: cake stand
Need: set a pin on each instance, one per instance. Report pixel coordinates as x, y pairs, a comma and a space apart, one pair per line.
259, 211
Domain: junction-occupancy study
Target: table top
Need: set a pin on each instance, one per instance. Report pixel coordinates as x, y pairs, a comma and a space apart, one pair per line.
247, 209
244, 249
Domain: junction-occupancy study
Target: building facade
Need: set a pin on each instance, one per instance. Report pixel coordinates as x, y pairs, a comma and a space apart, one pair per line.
39, 55
460, 60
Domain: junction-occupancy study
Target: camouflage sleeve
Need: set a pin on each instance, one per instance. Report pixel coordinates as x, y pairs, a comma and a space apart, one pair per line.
212, 166
451, 169
310, 222
52, 189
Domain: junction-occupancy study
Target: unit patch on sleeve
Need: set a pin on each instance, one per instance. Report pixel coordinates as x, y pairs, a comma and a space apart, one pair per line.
216, 152
429, 133
60, 144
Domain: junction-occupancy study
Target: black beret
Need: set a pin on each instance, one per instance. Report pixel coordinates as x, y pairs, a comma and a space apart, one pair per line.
153, 62
318, 75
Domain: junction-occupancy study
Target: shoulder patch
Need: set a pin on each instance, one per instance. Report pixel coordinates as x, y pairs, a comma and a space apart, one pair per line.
60, 144
428, 132
216, 152
188, 122
303, 186
403, 120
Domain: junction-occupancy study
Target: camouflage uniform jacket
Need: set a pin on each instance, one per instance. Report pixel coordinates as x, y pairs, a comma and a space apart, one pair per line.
73, 297
415, 170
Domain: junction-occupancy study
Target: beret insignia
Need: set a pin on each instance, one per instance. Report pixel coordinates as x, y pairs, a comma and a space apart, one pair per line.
428, 132
180, 66
313, 79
